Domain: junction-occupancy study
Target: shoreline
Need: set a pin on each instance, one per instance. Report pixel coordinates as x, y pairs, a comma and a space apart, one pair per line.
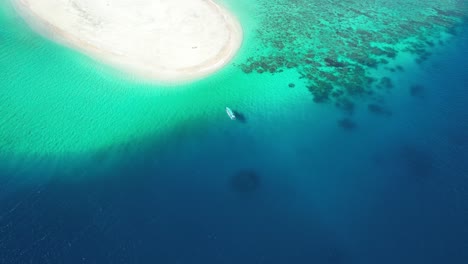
179, 44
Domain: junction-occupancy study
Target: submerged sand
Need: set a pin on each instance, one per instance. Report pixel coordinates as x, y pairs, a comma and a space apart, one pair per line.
162, 40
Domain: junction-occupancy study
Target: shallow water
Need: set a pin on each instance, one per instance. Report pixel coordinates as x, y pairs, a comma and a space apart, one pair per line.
99, 168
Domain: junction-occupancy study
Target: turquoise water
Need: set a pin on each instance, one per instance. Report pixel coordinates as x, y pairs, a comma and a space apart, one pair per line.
56, 100
352, 150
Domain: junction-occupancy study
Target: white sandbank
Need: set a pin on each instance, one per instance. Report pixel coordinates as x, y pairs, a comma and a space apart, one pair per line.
162, 40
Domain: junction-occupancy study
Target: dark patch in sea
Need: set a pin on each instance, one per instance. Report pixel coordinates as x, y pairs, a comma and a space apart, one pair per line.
378, 110
346, 105
335, 256
347, 124
240, 117
408, 160
417, 90
245, 181
417, 161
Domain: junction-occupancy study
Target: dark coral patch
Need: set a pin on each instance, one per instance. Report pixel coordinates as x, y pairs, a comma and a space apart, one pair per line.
347, 124
346, 105
418, 162
314, 41
416, 90
378, 110
321, 91
386, 83
334, 63
245, 181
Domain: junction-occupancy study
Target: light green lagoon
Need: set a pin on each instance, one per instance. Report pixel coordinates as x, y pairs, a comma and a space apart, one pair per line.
55, 101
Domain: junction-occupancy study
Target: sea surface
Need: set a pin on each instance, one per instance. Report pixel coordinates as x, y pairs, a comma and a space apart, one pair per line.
351, 144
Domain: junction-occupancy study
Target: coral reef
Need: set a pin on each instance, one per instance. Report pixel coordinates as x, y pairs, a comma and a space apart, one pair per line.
347, 124
334, 46
416, 90
245, 181
378, 110
417, 161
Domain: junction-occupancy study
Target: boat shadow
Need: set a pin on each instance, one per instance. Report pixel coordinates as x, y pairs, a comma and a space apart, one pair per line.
240, 117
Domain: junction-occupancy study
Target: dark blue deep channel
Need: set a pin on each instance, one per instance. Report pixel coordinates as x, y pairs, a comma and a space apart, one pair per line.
391, 189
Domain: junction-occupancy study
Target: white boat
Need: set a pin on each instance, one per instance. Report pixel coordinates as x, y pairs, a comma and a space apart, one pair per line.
230, 113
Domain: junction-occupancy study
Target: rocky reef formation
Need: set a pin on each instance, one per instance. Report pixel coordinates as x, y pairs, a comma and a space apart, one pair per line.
245, 181
336, 46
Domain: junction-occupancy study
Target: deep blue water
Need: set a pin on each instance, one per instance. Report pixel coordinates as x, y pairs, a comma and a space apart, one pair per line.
392, 190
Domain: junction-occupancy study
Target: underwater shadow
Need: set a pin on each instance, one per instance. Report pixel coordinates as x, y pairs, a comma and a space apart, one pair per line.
379, 110
410, 160
240, 117
245, 181
417, 91
417, 161
346, 124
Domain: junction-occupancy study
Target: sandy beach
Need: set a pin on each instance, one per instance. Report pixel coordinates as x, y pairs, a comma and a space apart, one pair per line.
161, 40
